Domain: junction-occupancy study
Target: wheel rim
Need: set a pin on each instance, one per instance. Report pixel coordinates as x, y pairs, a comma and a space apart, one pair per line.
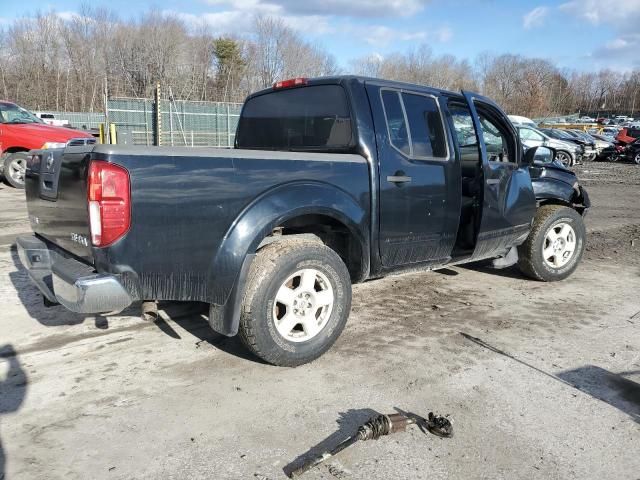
303, 305
16, 170
563, 158
637, 159
559, 245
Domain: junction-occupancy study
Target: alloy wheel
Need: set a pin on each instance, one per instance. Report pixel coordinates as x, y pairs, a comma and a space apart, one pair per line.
303, 305
559, 245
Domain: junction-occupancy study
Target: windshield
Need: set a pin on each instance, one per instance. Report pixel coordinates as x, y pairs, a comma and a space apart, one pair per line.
584, 136
12, 113
561, 134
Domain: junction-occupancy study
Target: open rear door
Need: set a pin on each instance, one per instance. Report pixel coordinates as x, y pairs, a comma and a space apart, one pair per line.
509, 202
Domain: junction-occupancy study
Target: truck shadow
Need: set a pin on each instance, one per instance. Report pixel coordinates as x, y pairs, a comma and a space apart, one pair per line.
192, 317
13, 390
188, 315
485, 267
348, 423
31, 298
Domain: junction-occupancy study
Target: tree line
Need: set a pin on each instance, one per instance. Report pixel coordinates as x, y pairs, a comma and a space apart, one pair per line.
48, 62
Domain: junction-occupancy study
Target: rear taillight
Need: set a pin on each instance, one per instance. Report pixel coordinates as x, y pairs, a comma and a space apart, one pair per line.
109, 198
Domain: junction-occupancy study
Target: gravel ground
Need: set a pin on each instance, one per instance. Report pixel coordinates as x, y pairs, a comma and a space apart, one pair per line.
542, 381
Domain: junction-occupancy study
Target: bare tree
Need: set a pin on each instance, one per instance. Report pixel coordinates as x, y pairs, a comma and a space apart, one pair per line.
50, 62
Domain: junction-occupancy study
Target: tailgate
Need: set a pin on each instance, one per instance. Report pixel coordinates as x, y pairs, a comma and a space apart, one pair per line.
56, 191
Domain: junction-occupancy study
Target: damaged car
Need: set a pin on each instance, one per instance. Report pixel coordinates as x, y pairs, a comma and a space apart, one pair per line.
568, 153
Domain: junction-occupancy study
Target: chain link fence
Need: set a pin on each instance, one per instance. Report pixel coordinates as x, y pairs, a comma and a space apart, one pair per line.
182, 123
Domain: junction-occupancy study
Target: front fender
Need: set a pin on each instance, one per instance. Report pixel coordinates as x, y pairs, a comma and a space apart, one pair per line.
231, 262
547, 188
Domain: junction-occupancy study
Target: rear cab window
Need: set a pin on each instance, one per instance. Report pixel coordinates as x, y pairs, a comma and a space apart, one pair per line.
414, 124
311, 118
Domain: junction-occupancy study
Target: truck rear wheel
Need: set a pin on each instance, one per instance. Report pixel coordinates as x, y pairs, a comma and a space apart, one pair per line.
296, 303
555, 245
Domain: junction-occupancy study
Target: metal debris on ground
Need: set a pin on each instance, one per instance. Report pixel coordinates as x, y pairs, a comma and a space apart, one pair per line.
379, 426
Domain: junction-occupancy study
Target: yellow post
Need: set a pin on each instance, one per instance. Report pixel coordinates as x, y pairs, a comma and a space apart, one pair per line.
101, 136
112, 133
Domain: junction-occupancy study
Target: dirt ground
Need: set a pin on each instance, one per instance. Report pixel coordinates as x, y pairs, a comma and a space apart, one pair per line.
542, 381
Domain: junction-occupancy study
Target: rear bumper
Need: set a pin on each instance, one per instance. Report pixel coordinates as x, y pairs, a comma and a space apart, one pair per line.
70, 282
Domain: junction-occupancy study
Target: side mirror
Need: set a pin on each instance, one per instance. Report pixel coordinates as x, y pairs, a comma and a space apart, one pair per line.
539, 155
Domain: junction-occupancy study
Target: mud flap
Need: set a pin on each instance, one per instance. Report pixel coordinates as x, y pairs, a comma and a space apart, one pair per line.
225, 319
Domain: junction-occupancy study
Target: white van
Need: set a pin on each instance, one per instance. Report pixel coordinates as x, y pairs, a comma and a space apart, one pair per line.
517, 120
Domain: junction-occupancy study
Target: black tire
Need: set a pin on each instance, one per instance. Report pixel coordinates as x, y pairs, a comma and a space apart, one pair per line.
273, 265
530, 254
10, 174
636, 159
565, 158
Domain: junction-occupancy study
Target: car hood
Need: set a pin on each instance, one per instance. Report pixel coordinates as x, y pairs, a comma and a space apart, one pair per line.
554, 143
45, 132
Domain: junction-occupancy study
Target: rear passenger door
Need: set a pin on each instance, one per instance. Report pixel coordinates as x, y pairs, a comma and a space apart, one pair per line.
419, 199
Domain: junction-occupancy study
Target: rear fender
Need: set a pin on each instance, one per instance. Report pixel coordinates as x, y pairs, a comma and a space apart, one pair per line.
231, 263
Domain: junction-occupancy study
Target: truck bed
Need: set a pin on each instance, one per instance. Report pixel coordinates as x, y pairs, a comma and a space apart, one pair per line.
184, 202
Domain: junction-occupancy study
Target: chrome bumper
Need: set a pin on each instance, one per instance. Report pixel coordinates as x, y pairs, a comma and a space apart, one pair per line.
70, 282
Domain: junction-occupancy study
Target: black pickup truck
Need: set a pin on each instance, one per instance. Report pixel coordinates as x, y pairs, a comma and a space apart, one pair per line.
332, 181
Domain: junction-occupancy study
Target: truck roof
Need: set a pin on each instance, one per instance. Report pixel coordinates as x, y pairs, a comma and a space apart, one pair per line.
362, 79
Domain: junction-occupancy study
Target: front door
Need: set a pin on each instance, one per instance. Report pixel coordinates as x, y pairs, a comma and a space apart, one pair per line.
509, 202
419, 202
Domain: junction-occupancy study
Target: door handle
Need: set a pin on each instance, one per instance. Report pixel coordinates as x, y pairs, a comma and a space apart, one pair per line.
398, 178
493, 181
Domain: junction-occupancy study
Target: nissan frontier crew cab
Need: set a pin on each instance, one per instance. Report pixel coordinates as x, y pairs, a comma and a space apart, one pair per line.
332, 181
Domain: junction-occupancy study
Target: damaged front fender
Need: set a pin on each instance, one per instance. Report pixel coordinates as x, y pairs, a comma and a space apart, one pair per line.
559, 185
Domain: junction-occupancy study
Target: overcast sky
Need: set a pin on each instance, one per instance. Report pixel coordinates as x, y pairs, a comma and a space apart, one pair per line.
580, 34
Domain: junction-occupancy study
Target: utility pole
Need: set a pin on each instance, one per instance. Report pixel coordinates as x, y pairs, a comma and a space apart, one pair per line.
106, 111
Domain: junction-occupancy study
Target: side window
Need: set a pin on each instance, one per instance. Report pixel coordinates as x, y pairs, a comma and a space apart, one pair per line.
425, 125
425, 136
497, 139
525, 133
398, 133
465, 135
463, 127
529, 134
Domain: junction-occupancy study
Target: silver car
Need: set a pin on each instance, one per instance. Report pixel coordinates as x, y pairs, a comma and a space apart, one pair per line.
567, 153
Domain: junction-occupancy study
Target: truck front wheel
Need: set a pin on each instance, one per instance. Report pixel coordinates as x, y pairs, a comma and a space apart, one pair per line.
15, 165
555, 245
297, 301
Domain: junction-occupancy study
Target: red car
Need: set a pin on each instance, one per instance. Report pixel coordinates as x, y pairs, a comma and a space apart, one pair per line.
628, 135
21, 131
